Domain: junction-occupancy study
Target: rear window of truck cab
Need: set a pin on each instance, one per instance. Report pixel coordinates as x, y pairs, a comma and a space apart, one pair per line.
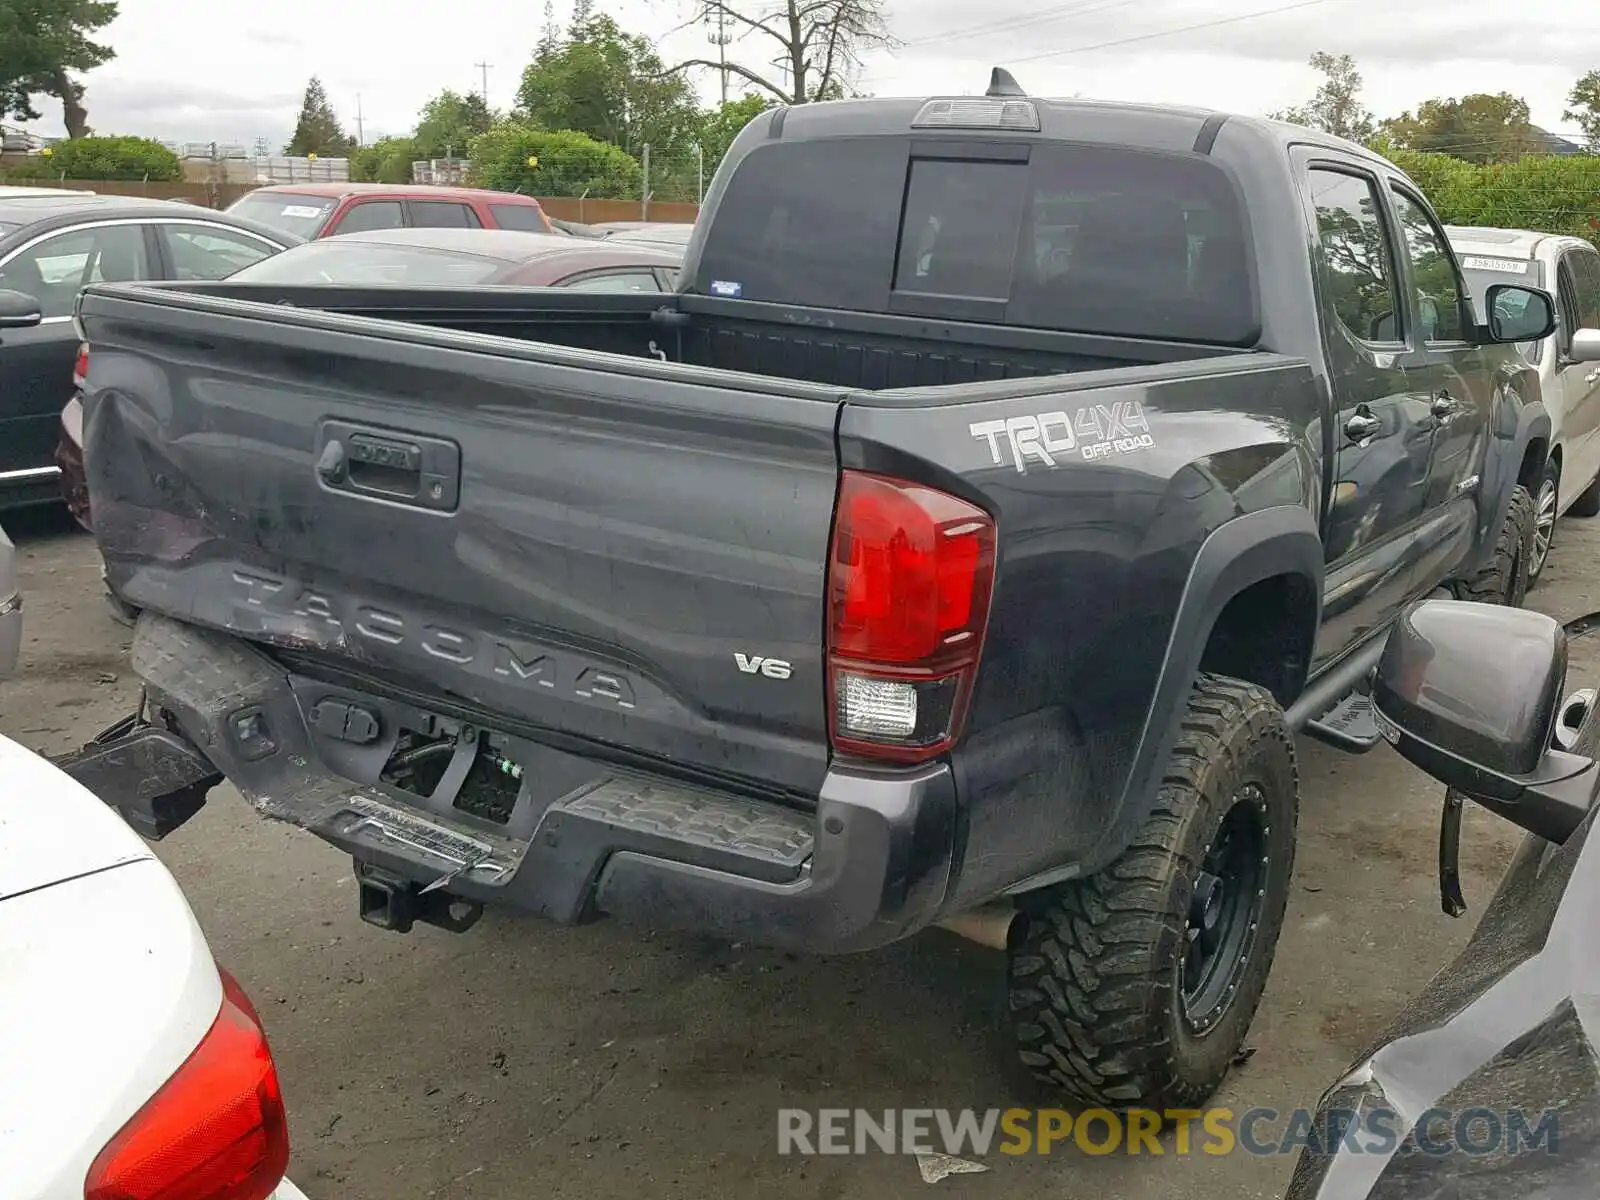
1092, 239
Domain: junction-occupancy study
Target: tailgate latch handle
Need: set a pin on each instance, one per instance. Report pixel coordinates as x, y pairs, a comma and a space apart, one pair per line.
389, 465
333, 465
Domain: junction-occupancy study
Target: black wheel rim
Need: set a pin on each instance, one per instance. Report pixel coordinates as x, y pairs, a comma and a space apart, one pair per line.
1225, 910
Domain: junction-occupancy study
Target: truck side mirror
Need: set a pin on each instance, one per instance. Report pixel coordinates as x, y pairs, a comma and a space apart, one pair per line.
1585, 346
1519, 314
18, 310
1471, 694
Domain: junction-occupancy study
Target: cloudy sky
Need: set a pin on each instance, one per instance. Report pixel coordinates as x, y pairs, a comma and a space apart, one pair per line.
234, 71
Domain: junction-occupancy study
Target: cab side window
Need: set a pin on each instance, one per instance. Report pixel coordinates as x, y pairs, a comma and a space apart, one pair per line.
1439, 292
1358, 275
372, 214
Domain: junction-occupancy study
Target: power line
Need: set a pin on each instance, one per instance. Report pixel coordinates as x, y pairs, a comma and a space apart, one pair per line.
1161, 33
1079, 8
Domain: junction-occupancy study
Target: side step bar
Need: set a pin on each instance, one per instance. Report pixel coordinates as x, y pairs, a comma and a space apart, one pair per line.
1337, 708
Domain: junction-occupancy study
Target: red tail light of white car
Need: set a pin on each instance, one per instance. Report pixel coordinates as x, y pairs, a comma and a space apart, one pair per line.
136, 1069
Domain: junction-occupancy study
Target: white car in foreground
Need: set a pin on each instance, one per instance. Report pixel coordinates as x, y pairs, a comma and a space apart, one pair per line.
134, 1068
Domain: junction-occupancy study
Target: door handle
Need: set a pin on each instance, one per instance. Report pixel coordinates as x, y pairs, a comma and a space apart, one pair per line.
1362, 426
1444, 405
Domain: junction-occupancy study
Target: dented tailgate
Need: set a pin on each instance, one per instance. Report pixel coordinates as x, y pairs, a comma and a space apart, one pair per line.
622, 551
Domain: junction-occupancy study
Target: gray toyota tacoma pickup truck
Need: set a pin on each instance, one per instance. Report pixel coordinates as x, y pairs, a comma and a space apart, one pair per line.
964, 542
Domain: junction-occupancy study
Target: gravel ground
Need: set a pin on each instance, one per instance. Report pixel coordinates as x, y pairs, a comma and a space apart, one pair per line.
522, 1058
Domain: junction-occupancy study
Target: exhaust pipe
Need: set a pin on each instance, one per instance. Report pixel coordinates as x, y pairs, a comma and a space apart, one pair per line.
988, 925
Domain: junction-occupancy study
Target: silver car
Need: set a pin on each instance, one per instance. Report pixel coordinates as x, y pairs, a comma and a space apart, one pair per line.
1568, 361
10, 608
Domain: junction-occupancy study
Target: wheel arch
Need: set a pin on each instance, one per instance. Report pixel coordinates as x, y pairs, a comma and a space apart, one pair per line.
1265, 565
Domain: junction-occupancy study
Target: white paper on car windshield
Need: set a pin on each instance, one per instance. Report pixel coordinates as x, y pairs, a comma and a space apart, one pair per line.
301, 210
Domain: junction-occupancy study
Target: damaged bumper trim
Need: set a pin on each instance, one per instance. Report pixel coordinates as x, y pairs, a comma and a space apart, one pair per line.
870, 865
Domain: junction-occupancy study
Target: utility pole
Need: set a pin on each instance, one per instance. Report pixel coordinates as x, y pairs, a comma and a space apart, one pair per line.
361, 138
720, 37
484, 68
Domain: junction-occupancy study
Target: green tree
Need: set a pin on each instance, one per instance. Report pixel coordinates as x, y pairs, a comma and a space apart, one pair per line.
387, 160
817, 44
612, 86
1336, 107
513, 157
722, 124
318, 130
1585, 101
43, 43
448, 122
114, 158
1479, 128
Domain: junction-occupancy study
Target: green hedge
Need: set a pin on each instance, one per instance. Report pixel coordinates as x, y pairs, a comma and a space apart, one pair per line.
112, 158
1547, 193
567, 164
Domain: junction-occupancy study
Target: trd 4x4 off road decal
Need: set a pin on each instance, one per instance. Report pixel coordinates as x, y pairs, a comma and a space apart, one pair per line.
1096, 431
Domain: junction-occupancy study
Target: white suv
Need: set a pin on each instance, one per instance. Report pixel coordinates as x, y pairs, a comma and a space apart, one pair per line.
1568, 361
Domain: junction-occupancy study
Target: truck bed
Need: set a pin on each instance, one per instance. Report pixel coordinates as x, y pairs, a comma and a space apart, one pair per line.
859, 351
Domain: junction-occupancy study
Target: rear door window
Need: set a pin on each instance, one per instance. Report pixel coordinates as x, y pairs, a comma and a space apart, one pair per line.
1358, 277
198, 252
525, 217
371, 214
441, 214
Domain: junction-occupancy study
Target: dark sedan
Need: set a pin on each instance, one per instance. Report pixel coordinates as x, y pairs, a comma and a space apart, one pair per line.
472, 258
51, 244
425, 258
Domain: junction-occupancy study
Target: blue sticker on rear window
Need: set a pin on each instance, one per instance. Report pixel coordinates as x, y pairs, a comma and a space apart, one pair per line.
726, 287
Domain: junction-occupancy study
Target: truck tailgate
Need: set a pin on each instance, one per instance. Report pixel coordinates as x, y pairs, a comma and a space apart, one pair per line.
381, 496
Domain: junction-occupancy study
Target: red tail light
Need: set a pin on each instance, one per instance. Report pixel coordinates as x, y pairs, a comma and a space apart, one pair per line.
80, 369
909, 579
215, 1131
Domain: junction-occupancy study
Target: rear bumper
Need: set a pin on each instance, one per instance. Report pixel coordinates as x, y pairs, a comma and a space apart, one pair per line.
870, 865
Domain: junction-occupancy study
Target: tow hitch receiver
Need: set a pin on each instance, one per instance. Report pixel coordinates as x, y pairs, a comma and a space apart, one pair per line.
1450, 897
150, 775
393, 902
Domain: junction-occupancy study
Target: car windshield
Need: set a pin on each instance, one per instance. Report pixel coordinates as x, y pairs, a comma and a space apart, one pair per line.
347, 261
1483, 271
292, 212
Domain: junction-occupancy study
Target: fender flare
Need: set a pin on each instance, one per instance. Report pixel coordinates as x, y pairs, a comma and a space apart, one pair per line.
1281, 540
